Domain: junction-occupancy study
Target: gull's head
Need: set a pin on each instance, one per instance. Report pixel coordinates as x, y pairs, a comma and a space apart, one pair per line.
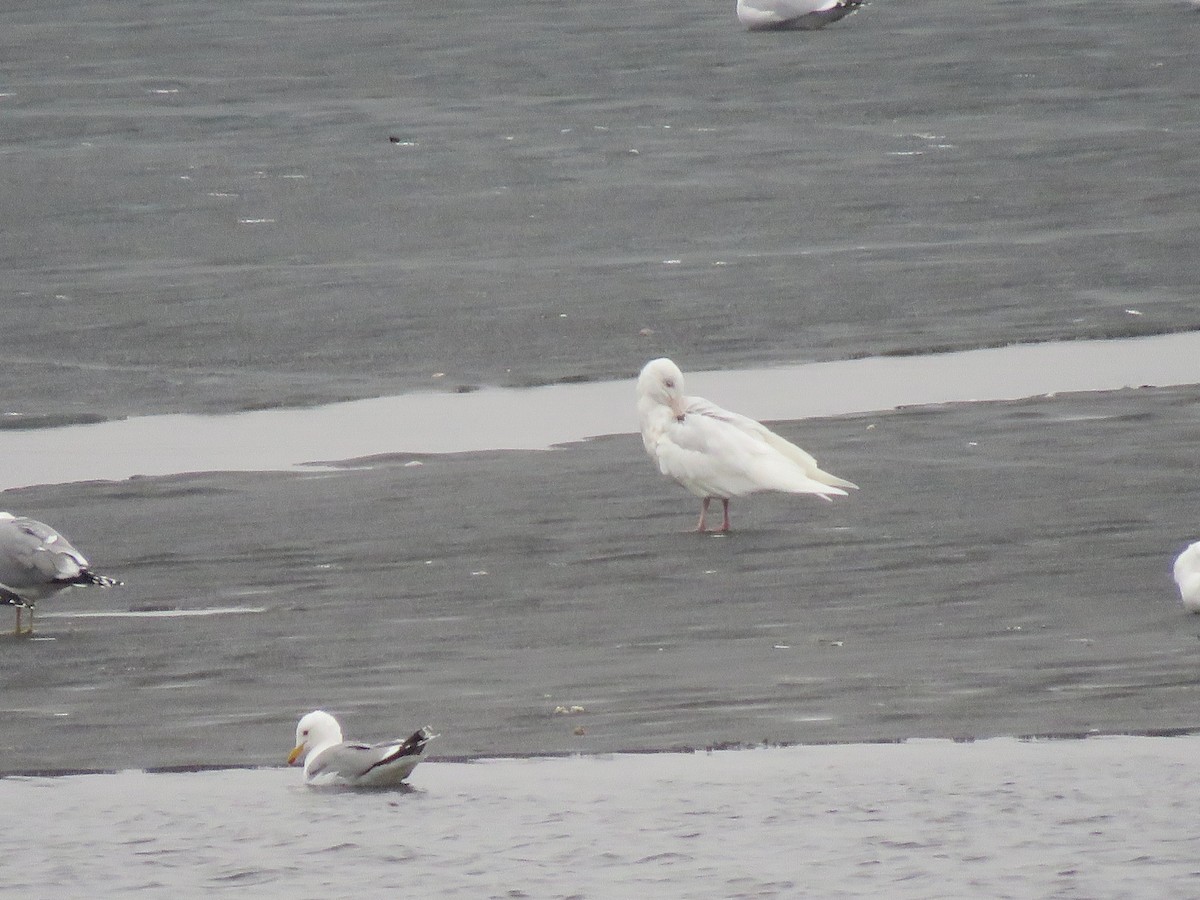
662, 382
315, 730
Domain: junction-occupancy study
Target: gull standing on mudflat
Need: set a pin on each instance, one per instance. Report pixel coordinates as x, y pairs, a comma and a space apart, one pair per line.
716, 453
1187, 576
330, 760
804, 15
37, 562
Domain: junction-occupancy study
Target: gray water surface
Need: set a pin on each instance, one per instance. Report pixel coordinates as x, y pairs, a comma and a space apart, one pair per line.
1096, 818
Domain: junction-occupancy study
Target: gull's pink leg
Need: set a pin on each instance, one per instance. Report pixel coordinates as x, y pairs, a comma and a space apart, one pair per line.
703, 512
725, 509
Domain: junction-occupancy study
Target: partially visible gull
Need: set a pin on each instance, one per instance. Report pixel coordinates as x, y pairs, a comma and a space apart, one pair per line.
716, 453
1187, 576
806, 15
330, 760
37, 562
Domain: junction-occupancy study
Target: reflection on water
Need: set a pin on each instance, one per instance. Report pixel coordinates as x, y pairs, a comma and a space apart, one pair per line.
537, 418
1081, 818
153, 613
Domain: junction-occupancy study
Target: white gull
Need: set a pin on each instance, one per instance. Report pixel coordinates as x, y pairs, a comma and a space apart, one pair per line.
806, 15
716, 453
1187, 576
329, 760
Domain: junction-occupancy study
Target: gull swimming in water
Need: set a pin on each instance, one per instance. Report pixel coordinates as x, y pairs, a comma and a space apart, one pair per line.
330, 760
716, 453
37, 562
1187, 576
781, 15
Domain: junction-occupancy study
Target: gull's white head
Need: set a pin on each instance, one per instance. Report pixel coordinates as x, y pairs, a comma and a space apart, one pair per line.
314, 732
662, 382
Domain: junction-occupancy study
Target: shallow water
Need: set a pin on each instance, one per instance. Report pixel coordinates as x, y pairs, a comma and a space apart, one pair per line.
537, 418
1095, 818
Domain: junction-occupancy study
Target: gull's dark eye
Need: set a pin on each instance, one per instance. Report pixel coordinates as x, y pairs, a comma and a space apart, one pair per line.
670, 382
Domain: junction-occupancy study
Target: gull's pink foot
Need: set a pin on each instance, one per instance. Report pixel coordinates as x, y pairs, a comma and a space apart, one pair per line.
700, 526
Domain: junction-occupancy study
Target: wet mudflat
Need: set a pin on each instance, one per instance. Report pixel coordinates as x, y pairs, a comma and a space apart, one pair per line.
1004, 570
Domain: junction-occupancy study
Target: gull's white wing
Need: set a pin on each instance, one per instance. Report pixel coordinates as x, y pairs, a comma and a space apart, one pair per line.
804, 14
35, 558
383, 763
798, 455
715, 453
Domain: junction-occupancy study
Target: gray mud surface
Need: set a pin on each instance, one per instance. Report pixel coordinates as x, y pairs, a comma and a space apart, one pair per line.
1004, 570
204, 209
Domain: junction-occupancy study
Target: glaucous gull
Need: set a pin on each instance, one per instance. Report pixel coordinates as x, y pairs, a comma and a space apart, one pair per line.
719, 454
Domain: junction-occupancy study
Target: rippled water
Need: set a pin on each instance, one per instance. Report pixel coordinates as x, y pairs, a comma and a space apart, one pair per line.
1095, 818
